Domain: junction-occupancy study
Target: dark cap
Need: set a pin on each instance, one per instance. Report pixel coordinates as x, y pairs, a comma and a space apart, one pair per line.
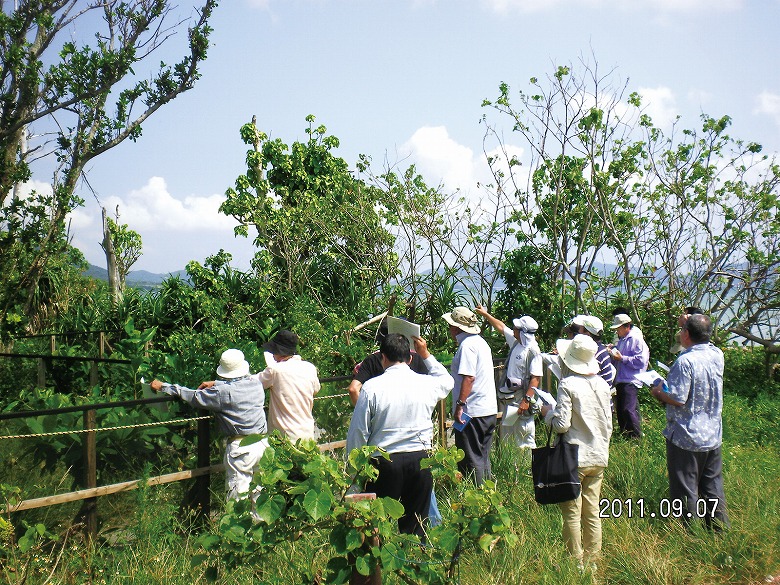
284, 343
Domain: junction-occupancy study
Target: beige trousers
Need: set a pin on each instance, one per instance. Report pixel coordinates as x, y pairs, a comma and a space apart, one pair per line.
581, 522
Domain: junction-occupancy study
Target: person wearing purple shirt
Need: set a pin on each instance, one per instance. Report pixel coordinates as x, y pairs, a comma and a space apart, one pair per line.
630, 356
694, 425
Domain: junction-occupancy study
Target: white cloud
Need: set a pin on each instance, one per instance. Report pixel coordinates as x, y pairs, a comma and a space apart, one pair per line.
38, 186
660, 104
768, 103
439, 158
153, 208
699, 98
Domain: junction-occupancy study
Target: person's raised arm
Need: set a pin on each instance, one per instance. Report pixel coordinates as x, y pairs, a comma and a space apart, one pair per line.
495, 323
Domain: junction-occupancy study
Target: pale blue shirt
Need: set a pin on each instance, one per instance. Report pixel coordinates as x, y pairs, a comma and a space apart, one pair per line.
394, 410
474, 358
237, 404
696, 380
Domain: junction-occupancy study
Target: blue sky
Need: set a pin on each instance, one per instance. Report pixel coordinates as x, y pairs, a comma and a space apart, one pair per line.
404, 80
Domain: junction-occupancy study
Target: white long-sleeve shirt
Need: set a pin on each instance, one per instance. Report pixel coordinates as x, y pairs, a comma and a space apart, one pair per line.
394, 410
583, 413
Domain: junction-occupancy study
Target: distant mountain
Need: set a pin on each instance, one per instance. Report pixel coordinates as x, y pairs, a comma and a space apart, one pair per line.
136, 278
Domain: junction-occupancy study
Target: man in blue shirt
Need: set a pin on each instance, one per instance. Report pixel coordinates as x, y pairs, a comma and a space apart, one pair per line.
694, 427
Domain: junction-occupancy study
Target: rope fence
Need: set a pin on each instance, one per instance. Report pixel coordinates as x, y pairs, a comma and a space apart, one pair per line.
103, 429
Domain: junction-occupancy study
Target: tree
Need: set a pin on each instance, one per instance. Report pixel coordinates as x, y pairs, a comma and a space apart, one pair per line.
692, 218
61, 110
448, 244
122, 247
573, 194
319, 233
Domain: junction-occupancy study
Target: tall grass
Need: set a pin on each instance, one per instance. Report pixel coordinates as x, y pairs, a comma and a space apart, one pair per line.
150, 542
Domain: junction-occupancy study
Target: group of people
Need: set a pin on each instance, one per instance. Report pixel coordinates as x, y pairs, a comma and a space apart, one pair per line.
237, 400
395, 390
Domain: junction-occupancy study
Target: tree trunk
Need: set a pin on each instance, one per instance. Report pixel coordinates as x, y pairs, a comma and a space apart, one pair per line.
112, 267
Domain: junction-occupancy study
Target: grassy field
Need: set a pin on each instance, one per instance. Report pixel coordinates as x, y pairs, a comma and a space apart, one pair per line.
145, 537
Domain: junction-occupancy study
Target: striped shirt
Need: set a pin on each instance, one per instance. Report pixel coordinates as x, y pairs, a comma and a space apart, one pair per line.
606, 369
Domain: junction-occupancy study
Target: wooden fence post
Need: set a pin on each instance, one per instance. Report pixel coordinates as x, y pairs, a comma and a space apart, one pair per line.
375, 577
41, 381
89, 509
202, 500
442, 422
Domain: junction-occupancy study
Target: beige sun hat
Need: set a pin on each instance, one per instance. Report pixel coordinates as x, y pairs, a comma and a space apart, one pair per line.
579, 354
232, 364
463, 318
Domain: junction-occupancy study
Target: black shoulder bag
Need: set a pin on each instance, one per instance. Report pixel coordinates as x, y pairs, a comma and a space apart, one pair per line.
554, 469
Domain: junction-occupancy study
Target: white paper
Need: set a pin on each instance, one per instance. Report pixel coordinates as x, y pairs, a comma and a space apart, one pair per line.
547, 398
649, 377
405, 328
510, 415
663, 367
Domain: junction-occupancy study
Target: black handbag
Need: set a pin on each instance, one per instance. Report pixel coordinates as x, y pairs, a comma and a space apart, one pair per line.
554, 469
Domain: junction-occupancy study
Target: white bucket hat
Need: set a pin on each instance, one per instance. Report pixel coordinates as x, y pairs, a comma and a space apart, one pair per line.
579, 354
592, 324
232, 364
463, 318
619, 320
526, 324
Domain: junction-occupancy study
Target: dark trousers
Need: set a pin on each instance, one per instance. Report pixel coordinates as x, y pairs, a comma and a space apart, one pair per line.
627, 410
475, 441
402, 479
696, 478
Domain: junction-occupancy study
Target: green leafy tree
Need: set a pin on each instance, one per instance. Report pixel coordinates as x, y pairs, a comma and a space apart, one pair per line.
529, 290
61, 91
318, 230
688, 218
573, 199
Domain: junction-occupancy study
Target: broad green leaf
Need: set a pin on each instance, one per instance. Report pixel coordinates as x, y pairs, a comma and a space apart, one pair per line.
393, 508
318, 504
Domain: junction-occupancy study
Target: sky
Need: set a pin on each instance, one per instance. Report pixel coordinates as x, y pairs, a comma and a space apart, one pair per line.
403, 81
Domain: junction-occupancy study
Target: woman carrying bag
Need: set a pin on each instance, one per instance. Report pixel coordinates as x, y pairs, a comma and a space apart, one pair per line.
583, 417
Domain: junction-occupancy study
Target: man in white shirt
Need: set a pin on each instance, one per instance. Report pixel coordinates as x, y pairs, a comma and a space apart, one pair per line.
524, 369
474, 393
393, 412
292, 384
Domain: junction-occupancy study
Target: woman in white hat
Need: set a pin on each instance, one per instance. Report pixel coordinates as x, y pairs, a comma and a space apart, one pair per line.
583, 417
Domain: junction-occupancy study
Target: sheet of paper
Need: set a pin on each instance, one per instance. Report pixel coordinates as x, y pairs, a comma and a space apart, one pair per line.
546, 397
662, 366
405, 328
649, 377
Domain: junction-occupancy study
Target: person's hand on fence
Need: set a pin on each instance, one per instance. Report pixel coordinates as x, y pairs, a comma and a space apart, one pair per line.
156, 385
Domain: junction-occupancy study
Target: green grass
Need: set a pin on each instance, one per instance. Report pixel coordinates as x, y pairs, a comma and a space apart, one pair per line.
145, 538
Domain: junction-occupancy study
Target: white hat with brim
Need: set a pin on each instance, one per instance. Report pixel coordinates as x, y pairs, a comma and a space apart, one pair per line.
462, 318
592, 324
619, 320
232, 364
526, 323
579, 354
